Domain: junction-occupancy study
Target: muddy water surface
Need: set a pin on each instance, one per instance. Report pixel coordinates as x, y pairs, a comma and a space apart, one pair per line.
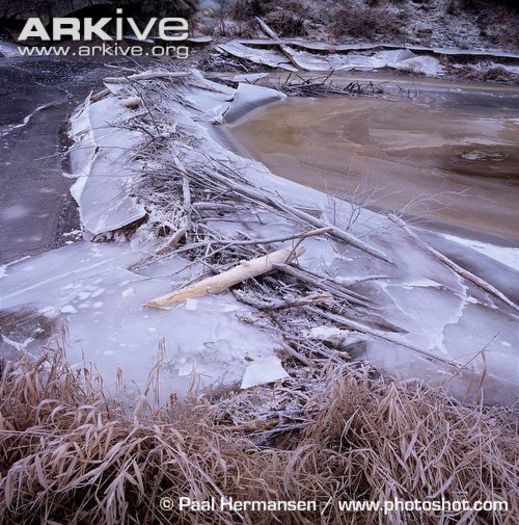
449, 157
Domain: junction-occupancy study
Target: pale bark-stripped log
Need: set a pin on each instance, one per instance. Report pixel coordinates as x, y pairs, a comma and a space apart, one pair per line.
218, 283
469, 276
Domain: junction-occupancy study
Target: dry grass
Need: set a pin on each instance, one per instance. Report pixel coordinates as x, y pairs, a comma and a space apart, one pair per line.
68, 455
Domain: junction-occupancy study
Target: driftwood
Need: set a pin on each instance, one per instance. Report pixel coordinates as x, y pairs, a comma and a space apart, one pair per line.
260, 197
469, 276
186, 193
148, 75
173, 241
287, 51
328, 286
218, 283
238, 242
99, 95
282, 304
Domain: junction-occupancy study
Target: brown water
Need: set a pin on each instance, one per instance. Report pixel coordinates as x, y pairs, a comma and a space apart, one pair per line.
449, 158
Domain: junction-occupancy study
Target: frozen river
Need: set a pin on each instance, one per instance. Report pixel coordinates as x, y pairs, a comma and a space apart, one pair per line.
447, 156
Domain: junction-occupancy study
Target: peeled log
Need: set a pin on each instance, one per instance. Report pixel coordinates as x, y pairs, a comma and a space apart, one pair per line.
221, 282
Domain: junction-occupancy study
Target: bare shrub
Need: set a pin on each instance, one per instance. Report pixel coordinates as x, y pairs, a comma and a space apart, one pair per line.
364, 22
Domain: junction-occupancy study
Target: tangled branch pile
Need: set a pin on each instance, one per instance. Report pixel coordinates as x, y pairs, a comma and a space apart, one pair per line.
69, 455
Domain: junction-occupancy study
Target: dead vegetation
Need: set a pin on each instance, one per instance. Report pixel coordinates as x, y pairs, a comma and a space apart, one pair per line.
366, 22
324, 85
69, 454
288, 17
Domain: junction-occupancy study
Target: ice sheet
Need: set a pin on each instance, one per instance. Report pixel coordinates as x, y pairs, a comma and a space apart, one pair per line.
265, 57
90, 287
503, 254
401, 59
249, 97
101, 159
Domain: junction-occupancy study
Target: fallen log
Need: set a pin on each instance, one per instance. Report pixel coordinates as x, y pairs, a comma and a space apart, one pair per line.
286, 50
219, 283
469, 276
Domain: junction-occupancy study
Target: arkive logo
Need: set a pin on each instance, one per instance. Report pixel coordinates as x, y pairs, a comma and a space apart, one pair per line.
171, 29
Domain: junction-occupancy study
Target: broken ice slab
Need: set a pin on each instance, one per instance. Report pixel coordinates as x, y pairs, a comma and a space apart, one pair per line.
402, 59
249, 97
263, 371
90, 287
265, 57
101, 159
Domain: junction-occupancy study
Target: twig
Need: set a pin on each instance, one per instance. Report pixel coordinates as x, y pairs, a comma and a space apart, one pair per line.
469, 276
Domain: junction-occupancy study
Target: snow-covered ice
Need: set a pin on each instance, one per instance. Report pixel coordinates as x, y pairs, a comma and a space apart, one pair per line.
249, 97
401, 59
101, 160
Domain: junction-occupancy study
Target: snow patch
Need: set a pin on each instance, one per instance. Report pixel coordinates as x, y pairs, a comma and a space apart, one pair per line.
508, 256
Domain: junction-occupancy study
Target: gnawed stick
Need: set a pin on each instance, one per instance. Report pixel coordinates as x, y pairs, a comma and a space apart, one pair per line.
282, 304
469, 276
286, 50
218, 283
96, 97
186, 192
327, 286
